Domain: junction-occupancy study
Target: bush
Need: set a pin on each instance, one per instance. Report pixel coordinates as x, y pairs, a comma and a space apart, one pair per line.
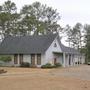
2, 71
58, 65
48, 65
88, 63
25, 64
5, 58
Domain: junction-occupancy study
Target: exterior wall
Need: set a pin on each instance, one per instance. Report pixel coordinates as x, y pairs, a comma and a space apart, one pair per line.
43, 61
49, 56
66, 60
82, 59
50, 59
13, 61
27, 58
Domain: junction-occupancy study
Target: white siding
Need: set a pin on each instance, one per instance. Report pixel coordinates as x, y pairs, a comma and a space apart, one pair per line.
27, 58
66, 60
83, 59
12, 56
49, 56
43, 59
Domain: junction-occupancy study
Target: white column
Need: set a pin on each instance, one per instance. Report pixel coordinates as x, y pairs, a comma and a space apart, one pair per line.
36, 59
64, 58
12, 56
74, 60
18, 59
68, 61
77, 60
71, 60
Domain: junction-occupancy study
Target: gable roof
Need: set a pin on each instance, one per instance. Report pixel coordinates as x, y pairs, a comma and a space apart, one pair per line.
67, 49
26, 44
31, 44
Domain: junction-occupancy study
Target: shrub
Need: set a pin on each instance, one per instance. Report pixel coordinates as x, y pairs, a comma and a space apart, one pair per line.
5, 58
58, 65
48, 65
25, 64
2, 71
88, 63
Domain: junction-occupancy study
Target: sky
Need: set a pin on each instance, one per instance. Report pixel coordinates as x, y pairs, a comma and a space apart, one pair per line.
71, 11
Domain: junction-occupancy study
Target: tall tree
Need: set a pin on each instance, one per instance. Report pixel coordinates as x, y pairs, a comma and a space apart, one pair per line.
68, 31
39, 18
8, 18
87, 41
74, 35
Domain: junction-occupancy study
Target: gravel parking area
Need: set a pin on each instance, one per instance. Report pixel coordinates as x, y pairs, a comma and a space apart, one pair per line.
80, 72
72, 78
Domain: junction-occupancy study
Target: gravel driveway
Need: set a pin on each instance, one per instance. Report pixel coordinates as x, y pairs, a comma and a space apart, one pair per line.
80, 72
72, 78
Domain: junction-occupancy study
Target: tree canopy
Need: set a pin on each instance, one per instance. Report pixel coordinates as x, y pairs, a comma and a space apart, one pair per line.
87, 41
74, 35
35, 18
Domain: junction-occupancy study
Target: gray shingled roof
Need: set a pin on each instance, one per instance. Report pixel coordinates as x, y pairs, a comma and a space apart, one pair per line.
31, 44
26, 44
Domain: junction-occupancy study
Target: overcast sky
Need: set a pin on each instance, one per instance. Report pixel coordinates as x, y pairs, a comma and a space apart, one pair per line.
71, 11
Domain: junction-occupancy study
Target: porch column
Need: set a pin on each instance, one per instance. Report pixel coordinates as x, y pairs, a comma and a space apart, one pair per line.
35, 59
12, 59
64, 58
77, 60
71, 60
68, 61
74, 61
18, 59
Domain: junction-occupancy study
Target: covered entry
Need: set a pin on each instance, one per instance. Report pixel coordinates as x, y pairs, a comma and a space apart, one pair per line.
65, 59
58, 57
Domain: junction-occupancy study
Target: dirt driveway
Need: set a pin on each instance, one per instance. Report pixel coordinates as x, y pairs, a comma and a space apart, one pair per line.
73, 78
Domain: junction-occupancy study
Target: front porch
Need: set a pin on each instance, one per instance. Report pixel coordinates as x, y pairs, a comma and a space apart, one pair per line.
67, 59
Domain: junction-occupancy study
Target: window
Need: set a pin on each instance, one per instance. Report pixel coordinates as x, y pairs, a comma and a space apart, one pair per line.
15, 59
38, 59
21, 58
32, 59
55, 45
